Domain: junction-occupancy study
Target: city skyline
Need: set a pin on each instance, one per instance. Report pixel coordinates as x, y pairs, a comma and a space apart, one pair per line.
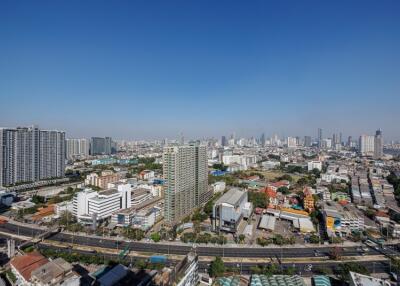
218, 68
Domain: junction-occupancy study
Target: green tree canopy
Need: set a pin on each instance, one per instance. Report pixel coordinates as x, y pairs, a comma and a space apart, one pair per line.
217, 267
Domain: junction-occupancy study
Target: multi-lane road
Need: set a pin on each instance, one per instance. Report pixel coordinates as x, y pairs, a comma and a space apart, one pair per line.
182, 249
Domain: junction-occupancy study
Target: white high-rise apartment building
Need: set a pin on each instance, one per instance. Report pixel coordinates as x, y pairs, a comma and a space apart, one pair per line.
185, 172
28, 154
291, 142
367, 145
77, 148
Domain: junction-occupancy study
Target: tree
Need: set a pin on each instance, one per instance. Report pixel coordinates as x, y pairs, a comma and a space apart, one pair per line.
217, 267
38, 199
284, 190
285, 177
335, 253
259, 199
155, 236
316, 172
343, 270
242, 237
314, 238
220, 166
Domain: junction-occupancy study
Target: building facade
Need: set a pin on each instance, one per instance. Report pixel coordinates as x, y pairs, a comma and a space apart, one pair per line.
90, 206
101, 146
185, 172
28, 154
378, 144
367, 145
77, 148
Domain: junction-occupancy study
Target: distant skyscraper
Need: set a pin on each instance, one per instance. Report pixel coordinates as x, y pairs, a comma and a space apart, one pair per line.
366, 145
185, 172
291, 142
100, 146
307, 141
224, 142
349, 141
378, 144
319, 137
28, 154
77, 148
262, 140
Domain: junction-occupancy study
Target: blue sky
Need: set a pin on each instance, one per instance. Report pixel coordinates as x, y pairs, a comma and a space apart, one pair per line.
153, 69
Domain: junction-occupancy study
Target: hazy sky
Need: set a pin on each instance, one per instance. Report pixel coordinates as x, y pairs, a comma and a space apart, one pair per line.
153, 69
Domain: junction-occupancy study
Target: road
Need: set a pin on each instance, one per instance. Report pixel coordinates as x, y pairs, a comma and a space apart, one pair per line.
180, 249
245, 267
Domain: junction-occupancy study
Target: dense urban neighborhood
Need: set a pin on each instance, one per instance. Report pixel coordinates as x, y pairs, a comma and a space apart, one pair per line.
206, 211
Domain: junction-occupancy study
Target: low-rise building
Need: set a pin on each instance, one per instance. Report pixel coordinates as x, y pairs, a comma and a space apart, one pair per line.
22, 266
284, 280
341, 220
218, 187
357, 279
314, 165
103, 180
146, 175
90, 206
55, 272
229, 209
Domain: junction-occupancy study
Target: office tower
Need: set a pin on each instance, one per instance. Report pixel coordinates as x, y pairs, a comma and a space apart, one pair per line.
262, 140
340, 138
77, 148
307, 141
29, 154
100, 146
367, 145
349, 141
224, 141
319, 137
378, 144
185, 172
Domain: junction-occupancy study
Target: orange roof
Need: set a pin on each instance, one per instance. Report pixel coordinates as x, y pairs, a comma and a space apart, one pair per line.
381, 214
295, 211
255, 177
283, 183
270, 192
27, 263
42, 212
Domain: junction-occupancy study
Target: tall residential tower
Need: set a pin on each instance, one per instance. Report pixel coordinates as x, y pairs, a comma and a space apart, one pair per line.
28, 154
185, 172
378, 144
77, 148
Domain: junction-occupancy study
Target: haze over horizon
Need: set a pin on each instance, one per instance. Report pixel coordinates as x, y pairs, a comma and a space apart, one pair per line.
150, 70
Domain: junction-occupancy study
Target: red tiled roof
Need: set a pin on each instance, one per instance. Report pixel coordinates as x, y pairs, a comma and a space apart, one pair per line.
27, 263
381, 214
281, 184
270, 192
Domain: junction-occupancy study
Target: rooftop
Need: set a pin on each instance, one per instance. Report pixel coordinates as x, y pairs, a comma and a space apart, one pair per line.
52, 270
26, 264
231, 197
